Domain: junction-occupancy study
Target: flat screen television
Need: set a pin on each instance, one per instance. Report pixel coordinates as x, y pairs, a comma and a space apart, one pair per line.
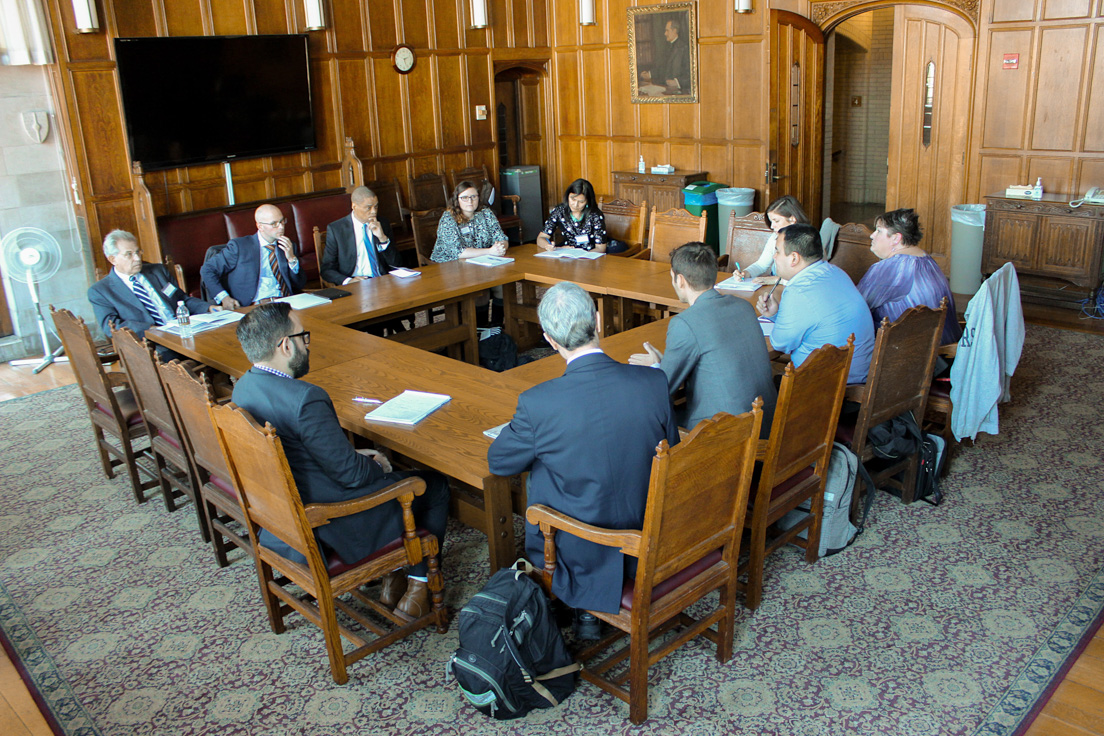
203, 99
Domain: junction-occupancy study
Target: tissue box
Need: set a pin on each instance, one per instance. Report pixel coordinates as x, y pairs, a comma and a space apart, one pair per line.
664, 169
1018, 190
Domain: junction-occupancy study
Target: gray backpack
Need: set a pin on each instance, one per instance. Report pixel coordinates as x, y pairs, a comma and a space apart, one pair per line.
836, 530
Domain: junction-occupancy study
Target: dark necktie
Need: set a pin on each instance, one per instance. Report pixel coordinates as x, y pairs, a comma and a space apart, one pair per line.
274, 264
373, 267
147, 300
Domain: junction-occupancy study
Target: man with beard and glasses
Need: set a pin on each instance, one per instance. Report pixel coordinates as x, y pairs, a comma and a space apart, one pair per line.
325, 465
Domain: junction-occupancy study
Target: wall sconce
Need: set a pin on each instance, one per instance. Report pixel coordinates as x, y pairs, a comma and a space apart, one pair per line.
478, 14
84, 13
743, 6
315, 15
586, 13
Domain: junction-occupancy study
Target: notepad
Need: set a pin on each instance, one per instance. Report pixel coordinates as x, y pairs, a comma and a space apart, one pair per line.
489, 260
303, 301
204, 322
404, 273
408, 408
737, 284
494, 432
767, 326
569, 253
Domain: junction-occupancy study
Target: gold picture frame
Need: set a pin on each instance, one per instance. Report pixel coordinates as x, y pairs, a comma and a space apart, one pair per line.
663, 53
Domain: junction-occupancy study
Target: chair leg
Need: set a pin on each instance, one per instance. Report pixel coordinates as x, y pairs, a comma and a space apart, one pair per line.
812, 541
131, 462
327, 611
105, 458
753, 593
435, 587
726, 627
908, 490
272, 603
638, 676
166, 487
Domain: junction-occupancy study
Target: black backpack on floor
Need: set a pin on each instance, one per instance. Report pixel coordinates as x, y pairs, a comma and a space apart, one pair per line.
512, 657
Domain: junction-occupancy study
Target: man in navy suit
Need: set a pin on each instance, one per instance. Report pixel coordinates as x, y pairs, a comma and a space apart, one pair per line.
137, 295
358, 246
587, 440
255, 267
325, 466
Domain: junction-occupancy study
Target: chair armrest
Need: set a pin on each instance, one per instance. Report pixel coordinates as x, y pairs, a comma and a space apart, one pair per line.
856, 393
630, 252
627, 539
319, 514
948, 351
722, 262
117, 379
644, 255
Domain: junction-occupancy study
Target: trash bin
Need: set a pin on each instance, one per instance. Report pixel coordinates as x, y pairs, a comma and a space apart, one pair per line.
735, 199
701, 196
967, 232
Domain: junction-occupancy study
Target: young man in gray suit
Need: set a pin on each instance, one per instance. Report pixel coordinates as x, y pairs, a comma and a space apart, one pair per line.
715, 347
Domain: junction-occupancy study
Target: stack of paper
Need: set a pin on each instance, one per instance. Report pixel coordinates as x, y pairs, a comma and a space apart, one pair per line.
569, 253
735, 283
489, 260
404, 273
408, 408
303, 301
207, 321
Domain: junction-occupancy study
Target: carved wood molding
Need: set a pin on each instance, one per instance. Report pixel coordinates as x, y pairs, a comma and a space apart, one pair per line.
824, 9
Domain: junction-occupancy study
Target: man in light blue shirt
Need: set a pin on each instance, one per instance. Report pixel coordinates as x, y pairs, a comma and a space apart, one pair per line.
819, 306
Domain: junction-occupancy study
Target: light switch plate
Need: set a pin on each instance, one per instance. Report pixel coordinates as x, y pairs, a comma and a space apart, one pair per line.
480, 112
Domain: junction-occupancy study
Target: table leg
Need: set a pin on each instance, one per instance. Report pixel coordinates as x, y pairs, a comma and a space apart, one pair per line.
498, 522
468, 319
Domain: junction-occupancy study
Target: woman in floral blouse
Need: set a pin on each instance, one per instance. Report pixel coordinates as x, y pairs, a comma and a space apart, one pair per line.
578, 218
467, 228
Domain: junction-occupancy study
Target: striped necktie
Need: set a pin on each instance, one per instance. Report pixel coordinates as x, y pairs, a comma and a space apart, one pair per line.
147, 300
274, 264
373, 267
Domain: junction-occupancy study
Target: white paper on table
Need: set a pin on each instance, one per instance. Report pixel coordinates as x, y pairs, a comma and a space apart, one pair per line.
569, 252
494, 432
735, 283
404, 273
767, 326
408, 408
489, 260
303, 301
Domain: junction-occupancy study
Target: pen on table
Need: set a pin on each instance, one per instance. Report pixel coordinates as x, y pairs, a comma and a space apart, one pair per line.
363, 400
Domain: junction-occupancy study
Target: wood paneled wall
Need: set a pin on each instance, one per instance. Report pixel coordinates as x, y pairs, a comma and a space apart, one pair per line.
599, 130
403, 125
1046, 118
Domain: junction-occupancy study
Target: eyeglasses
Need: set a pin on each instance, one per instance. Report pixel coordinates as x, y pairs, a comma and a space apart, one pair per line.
468, 197
305, 334
274, 224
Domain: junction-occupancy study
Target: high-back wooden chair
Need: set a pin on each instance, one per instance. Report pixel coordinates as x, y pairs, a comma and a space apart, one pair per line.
852, 252
898, 382
625, 221
270, 500
428, 191
683, 554
745, 240
668, 230
320, 249
174, 469
111, 405
424, 226
188, 394
795, 459
483, 181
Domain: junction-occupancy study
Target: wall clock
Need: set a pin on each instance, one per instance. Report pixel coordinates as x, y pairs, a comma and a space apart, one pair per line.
403, 59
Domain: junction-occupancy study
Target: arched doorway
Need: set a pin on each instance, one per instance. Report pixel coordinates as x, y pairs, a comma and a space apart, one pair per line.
521, 135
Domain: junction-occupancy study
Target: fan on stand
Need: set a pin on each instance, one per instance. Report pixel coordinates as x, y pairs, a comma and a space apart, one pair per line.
32, 256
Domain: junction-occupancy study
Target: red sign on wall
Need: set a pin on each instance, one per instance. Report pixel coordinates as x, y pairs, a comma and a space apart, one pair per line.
1011, 61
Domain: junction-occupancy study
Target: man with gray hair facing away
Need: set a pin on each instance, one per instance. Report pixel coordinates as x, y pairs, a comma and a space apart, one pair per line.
587, 440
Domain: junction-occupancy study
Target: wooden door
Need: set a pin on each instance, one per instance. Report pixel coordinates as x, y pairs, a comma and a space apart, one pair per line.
796, 94
929, 113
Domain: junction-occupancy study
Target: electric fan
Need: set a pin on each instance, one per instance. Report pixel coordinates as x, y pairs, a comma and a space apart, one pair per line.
31, 256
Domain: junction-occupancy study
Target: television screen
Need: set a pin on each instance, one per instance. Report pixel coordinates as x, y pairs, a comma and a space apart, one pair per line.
196, 99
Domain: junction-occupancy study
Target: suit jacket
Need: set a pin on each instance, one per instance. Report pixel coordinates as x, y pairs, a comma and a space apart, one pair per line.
587, 440
236, 269
340, 258
716, 348
325, 466
113, 301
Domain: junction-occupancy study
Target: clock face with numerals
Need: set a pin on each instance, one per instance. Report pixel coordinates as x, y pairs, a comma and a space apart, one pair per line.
402, 58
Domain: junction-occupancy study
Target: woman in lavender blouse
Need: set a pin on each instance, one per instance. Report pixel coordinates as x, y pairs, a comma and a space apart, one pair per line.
905, 275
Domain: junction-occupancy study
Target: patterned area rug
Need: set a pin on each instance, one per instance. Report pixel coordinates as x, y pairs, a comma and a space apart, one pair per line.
948, 620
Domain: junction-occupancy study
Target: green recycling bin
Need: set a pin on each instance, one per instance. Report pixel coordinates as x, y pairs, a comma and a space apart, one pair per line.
702, 196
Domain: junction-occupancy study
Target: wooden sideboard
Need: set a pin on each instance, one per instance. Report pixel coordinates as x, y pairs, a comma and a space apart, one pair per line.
1045, 238
662, 191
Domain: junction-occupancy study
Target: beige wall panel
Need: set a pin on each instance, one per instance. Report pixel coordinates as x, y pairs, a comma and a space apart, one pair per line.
285, 163
184, 18
714, 19
251, 191
207, 197
420, 104
683, 121
623, 119
285, 186
748, 164
101, 131
348, 28
1057, 174
595, 34
540, 23
415, 23
388, 170
1007, 90
113, 214
654, 154
749, 75
451, 161
328, 127
596, 167
487, 158
229, 17
713, 108
387, 105
571, 166
565, 23
446, 24
323, 180
595, 97
1061, 59
500, 25
134, 18
248, 168
200, 172
623, 157
618, 19
1091, 174
1057, 9
477, 39
531, 101
683, 155
567, 94
715, 162
356, 106
381, 26
1093, 126
424, 165
652, 118
1005, 11
521, 23
479, 93
272, 16
450, 86
996, 173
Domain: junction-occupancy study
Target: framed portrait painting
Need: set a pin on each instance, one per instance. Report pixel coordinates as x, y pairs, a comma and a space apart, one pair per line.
663, 53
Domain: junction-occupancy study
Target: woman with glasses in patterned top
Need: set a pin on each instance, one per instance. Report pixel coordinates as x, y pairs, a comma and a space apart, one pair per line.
468, 228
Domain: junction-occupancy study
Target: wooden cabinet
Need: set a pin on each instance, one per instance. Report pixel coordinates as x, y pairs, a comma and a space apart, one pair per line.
662, 191
1044, 237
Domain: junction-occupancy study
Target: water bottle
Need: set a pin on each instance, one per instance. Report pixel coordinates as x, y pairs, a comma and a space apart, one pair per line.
184, 319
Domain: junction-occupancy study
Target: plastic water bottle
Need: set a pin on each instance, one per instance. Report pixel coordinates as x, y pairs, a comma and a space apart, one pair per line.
184, 319
1037, 190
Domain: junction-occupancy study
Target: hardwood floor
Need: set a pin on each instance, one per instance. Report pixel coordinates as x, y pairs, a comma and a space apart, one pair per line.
1075, 709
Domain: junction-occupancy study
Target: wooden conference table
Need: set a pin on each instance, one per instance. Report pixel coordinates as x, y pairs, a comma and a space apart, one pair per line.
348, 363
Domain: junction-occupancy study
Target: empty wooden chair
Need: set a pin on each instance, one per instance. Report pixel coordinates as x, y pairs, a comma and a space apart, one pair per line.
625, 221
188, 394
392, 209
683, 554
424, 226
747, 235
898, 382
795, 459
111, 405
428, 191
668, 230
174, 469
270, 500
852, 252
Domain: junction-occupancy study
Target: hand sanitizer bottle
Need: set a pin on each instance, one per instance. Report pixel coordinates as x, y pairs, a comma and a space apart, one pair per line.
184, 319
640, 165
1037, 191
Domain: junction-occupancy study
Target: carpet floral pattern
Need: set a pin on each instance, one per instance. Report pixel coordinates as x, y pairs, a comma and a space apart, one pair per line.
945, 620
